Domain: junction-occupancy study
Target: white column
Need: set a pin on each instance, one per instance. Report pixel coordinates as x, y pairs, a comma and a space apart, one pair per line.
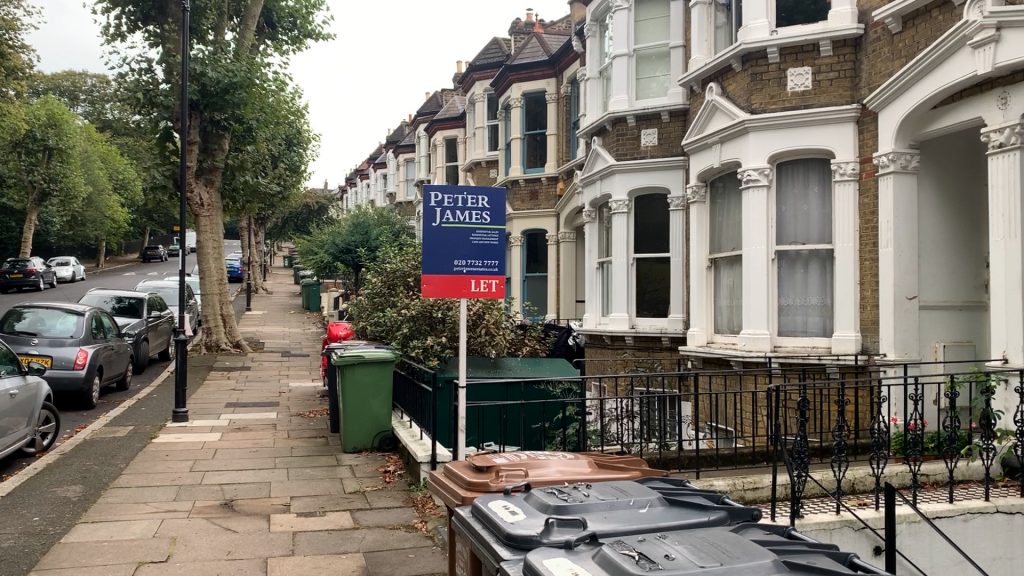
620, 56
618, 319
554, 277
845, 11
696, 198
701, 33
677, 246
516, 289
566, 275
1006, 250
591, 309
846, 338
462, 159
756, 335
755, 21
581, 78
551, 166
591, 79
676, 48
898, 312
439, 159
517, 137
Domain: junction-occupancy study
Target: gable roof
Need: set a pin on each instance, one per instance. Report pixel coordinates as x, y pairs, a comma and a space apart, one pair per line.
453, 109
496, 51
538, 47
716, 112
397, 134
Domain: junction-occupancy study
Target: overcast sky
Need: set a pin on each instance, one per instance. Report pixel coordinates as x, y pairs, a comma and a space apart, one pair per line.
387, 54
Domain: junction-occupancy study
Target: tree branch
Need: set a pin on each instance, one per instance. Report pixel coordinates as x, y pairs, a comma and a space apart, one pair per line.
247, 28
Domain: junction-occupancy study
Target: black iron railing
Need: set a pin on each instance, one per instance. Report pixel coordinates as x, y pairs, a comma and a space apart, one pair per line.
414, 395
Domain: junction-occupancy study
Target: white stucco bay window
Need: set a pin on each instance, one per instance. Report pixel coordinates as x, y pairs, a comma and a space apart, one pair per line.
528, 130
722, 31
634, 53
773, 242
634, 231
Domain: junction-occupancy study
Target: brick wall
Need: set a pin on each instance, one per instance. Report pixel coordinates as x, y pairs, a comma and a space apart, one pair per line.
482, 173
623, 140
532, 194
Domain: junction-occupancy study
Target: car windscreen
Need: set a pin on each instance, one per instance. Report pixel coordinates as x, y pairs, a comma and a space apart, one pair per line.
17, 265
121, 306
192, 281
233, 261
42, 323
60, 262
168, 293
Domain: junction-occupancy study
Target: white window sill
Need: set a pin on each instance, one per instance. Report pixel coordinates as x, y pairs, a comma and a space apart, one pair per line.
822, 34
809, 355
605, 120
892, 13
522, 178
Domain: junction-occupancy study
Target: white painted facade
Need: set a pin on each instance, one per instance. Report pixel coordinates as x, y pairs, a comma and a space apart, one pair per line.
479, 147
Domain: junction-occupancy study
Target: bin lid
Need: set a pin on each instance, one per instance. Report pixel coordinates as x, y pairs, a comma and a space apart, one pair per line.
362, 355
307, 282
748, 549
560, 515
459, 483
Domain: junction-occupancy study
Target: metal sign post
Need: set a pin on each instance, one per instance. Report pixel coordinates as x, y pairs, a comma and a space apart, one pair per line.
463, 257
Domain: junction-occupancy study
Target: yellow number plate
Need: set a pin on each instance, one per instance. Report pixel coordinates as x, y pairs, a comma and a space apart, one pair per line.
16, 276
44, 360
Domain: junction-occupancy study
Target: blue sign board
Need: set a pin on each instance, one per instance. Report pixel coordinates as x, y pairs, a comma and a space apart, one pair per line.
463, 242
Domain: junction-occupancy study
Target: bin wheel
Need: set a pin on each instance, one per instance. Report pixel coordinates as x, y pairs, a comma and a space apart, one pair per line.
385, 441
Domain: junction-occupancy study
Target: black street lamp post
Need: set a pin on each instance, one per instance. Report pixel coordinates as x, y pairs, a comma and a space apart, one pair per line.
180, 412
248, 268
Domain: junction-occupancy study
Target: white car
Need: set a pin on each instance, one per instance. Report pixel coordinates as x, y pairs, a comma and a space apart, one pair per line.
193, 282
67, 268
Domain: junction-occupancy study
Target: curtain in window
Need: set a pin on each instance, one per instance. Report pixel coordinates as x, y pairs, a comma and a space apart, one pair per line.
604, 256
653, 279
451, 161
803, 200
410, 178
725, 207
728, 16
492, 123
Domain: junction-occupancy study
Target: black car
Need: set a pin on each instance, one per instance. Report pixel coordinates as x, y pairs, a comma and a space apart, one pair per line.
154, 252
31, 272
143, 317
80, 346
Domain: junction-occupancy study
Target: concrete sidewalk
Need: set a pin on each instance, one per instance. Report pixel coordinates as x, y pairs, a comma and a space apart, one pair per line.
254, 484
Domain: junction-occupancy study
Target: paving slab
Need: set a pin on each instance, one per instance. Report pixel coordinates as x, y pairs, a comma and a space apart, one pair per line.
361, 540
245, 507
305, 461
224, 491
411, 562
214, 526
158, 479
306, 488
118, 570
255, 567
227, 546
319, 473
138, 495
84, 554
233, 464
244, 476
329, 503
335, 565
107, 512
387, 498
184, 438
311, 522
385, 517
116, 530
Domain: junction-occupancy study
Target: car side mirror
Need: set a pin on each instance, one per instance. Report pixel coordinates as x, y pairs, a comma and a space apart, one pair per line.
36, 369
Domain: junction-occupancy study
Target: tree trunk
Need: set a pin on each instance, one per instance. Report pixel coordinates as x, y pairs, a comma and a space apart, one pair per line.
145, 240
261, 256
29, 229
101, 254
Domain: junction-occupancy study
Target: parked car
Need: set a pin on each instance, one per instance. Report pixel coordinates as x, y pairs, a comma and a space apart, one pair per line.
67, 268
80, 346
31, 272
168, 290
174, 250
193, 283
143, 317
195, 270
235, 268
154, 252
28, 420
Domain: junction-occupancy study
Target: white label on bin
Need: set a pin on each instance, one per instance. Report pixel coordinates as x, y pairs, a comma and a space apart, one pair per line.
507, 511
564, 567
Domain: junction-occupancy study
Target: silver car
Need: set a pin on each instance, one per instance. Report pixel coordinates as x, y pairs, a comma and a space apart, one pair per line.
193, 283
168, 290
28, 420
80, 346
67, 268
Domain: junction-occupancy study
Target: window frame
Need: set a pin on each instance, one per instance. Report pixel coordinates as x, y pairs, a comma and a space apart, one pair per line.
537, 96
713, 334
410, 178
634, 258
542, 313
603, 264
736, 21
451, 163
507, 107
490, 123
606, 46
659, 46
574, 119
796, 341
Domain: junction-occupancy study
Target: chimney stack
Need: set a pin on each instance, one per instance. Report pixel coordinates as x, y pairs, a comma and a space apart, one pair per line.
458, 66
529, 15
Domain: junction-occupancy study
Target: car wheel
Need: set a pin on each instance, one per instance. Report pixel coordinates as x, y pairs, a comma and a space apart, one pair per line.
91, 395
167, 353
53, 284
74, 277
47, 430
42, 285
126, 379
142, 360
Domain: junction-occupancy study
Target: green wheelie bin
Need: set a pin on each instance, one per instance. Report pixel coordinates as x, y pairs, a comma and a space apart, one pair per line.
364, 380
305, 289
287, 260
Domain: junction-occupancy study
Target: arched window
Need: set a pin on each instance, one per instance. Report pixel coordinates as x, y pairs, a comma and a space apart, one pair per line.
725, 208
651, 262
803, 248
535, 274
